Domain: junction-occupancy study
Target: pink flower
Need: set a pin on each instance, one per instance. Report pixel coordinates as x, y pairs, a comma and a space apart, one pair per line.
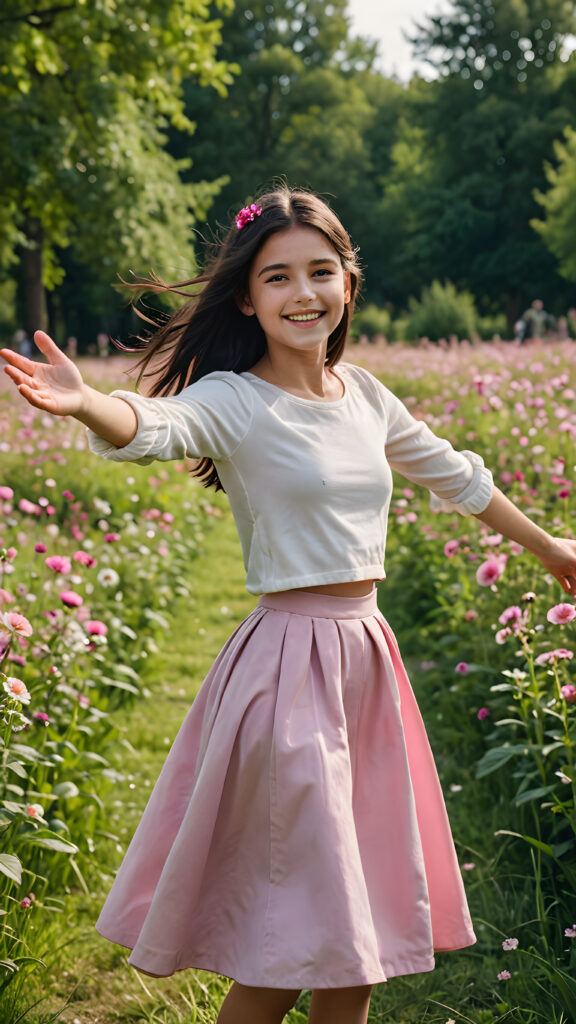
511, 614
502, 634
509, 944
95, 627
25, 903
14, 622
168, 517
84, 558
6, 494
488, 572
560, 654
71, 598
28, 507
59, 563
41, 716
563, 493
5, 597
68, 494
451, 547
40, 548
111, 538
83, 700
570, 933
561, 614
569, 693
504, 976
462, 668
470, 615
483, 713
468, 866
16, 688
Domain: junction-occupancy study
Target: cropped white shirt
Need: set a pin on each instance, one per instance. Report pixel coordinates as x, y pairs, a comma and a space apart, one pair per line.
309, 482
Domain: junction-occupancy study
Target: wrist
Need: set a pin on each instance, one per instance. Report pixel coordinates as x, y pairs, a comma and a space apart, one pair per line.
542, 544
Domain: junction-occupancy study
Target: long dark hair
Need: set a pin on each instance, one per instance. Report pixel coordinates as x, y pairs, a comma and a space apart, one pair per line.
210, 332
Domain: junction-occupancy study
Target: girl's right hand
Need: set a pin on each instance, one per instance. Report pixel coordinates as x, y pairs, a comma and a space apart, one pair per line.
55, 387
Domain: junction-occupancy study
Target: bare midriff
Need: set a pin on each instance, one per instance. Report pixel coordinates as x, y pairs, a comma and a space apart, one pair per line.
357, 588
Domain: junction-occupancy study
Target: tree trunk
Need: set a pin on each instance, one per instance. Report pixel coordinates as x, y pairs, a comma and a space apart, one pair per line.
34, 293
513, 310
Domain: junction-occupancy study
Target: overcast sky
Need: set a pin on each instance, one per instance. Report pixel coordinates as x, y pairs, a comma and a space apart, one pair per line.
384, 20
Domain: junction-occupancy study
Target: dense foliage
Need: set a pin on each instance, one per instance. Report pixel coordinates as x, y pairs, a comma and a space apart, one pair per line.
125, 131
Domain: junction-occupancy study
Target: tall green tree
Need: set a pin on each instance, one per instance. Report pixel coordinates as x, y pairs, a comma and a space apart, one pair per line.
308, 106
472, 152
558, 225
87, 92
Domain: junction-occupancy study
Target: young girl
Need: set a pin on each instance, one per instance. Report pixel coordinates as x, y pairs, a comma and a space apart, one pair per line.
297, 836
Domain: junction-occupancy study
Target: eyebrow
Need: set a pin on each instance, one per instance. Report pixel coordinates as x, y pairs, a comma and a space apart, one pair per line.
286, 266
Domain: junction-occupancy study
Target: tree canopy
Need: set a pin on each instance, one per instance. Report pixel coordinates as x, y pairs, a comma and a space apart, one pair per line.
130, 132
88, 90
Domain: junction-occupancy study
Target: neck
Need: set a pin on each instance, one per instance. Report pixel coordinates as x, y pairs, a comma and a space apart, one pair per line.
306, 375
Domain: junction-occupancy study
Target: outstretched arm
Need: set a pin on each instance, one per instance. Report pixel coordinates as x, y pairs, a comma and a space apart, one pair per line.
57, 387
557, 555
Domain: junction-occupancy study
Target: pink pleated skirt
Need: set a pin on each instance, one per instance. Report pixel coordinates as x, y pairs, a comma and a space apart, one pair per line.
297, 836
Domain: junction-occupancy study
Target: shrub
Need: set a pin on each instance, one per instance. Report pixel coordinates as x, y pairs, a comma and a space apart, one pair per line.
440, 312
371, 320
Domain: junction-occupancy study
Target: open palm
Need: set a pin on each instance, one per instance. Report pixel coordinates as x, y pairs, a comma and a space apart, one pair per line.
55, 386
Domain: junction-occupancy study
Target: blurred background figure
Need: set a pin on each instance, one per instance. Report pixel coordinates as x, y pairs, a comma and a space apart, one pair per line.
535, 322
71, 347
22, 344
102, 344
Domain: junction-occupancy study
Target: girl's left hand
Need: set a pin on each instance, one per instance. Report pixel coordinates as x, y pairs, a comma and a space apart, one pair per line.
560, 561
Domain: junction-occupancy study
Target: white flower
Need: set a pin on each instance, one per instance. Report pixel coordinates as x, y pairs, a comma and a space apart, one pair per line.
108, 577
17, 689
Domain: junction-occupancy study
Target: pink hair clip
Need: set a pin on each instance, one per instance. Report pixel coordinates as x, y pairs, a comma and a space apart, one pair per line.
246, 214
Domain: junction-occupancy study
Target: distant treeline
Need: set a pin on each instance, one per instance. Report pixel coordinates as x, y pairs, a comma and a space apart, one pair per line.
128, 135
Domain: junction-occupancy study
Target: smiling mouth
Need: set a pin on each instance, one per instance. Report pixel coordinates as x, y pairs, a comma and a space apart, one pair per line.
302, 317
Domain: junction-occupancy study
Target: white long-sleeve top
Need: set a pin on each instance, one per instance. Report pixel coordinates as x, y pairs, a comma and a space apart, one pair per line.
309, 482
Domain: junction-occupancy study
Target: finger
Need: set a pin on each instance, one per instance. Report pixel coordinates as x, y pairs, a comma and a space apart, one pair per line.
49, 349
19, 377
38, 399
14, 359
568, 584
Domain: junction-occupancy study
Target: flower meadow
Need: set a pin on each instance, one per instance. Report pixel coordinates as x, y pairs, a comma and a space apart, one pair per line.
91, 560
490, 642
94, 558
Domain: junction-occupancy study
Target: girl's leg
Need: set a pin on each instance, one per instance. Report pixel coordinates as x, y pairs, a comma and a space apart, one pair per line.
340, 1005
245, 1004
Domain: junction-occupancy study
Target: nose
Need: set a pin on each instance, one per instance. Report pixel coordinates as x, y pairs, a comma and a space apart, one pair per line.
304, 290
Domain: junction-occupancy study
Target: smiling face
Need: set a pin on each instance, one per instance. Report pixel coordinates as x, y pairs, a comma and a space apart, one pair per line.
297, 289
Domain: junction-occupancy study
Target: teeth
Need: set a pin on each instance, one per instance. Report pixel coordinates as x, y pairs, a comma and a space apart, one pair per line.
304, 316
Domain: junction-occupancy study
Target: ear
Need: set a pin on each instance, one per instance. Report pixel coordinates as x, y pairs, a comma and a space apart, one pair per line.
347, 287
244, 304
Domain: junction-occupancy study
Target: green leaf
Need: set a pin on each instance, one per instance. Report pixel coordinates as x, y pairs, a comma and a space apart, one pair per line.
532, 794
50, 840
497, 758
17, 768
66, 790
528, 839
11, 866
119, 684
